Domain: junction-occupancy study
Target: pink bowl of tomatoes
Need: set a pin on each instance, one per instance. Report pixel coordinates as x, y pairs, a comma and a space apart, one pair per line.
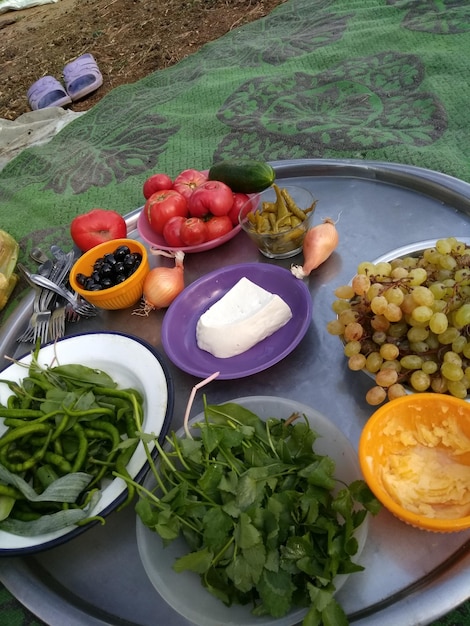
189, 213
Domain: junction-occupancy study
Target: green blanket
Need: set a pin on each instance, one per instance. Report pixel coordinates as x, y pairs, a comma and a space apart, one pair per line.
383, 80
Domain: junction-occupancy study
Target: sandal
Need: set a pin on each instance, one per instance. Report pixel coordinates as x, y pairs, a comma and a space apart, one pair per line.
47, 92
82, 76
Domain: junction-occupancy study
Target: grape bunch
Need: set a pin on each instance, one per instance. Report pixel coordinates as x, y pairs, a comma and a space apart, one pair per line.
407, 322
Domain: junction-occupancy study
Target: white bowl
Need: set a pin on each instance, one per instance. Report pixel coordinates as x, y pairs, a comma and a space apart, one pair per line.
131, 363
183, 591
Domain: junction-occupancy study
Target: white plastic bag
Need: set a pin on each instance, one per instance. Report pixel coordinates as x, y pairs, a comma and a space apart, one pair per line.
17, 5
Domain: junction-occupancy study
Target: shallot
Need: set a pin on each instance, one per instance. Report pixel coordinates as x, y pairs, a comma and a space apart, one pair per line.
319, 243
162, 284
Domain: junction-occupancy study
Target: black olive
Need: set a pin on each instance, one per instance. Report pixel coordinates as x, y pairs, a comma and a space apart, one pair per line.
95, 276
119, 268
98, 263
129, 261
95, 287
89, 283
109, 258
81, 279
106, 283
106, 270
121, 252
120, 278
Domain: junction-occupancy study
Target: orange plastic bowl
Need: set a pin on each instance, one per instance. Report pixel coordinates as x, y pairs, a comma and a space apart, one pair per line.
414, 454
120, 296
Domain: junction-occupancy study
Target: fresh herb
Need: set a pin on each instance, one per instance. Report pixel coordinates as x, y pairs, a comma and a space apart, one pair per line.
264, 518
68, 428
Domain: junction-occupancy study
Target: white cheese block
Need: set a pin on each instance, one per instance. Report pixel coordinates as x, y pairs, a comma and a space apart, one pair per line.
243, 317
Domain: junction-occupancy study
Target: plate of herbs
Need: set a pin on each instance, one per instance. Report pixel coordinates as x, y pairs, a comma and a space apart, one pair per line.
255, 514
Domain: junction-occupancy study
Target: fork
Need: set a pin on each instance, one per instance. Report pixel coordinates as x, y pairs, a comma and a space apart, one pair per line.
82, 307
57, 323
41, 325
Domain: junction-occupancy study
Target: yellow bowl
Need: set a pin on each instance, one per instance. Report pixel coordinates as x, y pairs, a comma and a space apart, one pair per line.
120, 296
414, 454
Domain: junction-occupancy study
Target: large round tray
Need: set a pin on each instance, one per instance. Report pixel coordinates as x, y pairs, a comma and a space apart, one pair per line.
410, 576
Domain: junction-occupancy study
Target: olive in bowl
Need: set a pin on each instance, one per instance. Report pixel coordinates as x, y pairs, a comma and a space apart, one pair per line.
111, 275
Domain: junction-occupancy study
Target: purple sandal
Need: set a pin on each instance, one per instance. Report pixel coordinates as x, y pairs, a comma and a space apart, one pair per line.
82, 76
47, 92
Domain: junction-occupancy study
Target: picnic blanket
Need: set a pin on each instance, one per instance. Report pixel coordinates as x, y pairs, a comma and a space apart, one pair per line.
384, 80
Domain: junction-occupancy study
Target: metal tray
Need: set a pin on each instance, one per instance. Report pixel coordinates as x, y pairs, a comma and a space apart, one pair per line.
410, 576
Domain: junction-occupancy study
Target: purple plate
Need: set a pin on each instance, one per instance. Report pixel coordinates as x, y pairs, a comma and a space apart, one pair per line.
157, 241
179, 323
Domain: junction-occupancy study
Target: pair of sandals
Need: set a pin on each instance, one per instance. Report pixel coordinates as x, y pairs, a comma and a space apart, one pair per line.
81, 77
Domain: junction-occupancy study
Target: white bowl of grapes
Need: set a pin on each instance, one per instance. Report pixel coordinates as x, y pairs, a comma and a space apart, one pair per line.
404, 319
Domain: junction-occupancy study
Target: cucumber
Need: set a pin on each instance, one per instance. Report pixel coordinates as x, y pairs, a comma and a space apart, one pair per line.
244, 176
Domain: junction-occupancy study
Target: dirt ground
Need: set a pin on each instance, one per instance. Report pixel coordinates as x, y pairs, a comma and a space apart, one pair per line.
129, 39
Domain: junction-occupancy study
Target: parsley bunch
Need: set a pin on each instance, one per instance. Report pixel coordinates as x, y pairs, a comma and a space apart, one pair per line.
265, 521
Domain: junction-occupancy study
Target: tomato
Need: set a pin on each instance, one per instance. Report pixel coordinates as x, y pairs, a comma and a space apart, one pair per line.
193, 231
218, 226
162, 205
172, 230
211, 197
97, 226
156, 182
187, 181
239, 200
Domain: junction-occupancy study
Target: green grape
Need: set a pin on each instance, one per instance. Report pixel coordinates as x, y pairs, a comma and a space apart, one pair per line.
394, 295
386, 377
357, 362
335, 327
360, 284
389, 351
422, 313
438, 290
398, 330
462, 276
459, 344
411, 362
430, 367
451, 371
379, 337
379, 305
419, 347
376, 395
366, 268
373, 362
422, 295
380, 323
383, 269
457, 389
396, 391
398, 273
444, 246
393, 313
438, 323
420, 381
417, 276
462, 316
447, 262
449, 335
351, 348
452, 357
374, 290
353, 331
345, 292
439, 384
417, 333
392, 364
340, 305
347, 316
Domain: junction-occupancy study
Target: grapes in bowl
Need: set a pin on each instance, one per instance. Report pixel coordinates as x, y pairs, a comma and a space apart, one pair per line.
404, 319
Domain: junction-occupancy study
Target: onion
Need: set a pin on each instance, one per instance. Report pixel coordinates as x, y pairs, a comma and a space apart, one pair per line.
162, 284
319, 243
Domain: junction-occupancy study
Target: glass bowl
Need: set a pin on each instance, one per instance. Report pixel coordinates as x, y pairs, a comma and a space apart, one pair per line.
269, 224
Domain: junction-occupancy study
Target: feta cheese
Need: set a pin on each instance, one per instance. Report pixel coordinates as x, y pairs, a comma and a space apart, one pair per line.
243, 317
